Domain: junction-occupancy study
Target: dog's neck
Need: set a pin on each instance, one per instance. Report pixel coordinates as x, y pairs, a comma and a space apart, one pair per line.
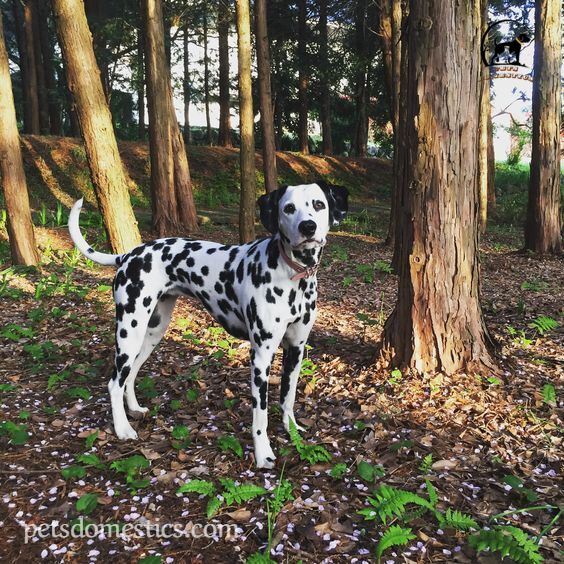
301, 262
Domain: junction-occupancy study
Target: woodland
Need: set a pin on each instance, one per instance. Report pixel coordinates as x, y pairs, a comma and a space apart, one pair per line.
431, 390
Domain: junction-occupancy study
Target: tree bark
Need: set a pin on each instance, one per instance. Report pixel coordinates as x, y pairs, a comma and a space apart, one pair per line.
224, 19
543, 227
17, 11
491, 164
437, 323
31, 91
303, 77
265, 98
20, 227
360, 137
247, 152
325, 103
42, 97
207, 80
97, 13
186, 86
172, 200
83, 77
47, 51
483, 133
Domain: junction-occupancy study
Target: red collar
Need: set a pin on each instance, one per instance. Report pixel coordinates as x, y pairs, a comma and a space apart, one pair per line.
301, 271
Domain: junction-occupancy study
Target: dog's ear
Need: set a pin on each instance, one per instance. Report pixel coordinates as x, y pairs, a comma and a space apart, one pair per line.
268, 209
338, 200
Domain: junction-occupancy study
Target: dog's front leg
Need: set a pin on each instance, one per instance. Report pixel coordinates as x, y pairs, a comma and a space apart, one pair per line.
261, 359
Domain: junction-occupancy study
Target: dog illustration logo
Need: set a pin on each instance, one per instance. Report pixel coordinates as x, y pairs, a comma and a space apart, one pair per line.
496, 53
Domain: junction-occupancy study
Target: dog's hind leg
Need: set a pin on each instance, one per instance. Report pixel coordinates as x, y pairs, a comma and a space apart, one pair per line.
158, 324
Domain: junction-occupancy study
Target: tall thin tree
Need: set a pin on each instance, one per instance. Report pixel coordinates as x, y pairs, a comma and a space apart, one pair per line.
83, 78
223, 22
20, 227
186, 86
265, 97
325, 103
543, 227
303, 77
437, 323
247, 153
31, 89
140, 82
207, 76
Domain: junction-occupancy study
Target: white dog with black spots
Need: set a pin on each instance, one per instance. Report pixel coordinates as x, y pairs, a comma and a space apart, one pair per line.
264, 291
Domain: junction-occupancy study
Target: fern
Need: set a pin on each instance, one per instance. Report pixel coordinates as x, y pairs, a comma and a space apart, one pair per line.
509, 541
242, 493
259, 558
549, 394
394, 536
425, 466
459, 521
391, 502
433, 496
309, 453
201, 487
281, 495
542, 324
213, 506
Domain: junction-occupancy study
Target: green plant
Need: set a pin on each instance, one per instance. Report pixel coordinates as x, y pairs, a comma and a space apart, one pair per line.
369, 472
202, 487
17, 433
534, 285
338, 471
509, 541
394, 536
549, 394
426, 464
260, 558
517, 485
542, 324
131, 467
87, 503
309, 453
230, 442
180, 437
459, 521
395, 377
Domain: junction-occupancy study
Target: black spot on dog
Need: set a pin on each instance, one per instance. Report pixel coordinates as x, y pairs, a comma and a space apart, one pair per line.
306, 318
123, 333
155, 320
290, 358
119, 312
205, 270
262, 392
269, 297
211, 251
224, 306
90, 250
291, 297
196, 279
134, 323
190, 262
218, 288
258, 431
278, 291
121, 359
147, 301
272, 254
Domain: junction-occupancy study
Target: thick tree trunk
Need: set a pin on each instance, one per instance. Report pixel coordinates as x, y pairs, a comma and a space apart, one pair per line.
247, 153
325, 103
171, 188
31, 88
47, 50
303, 77
543, 227
17, 11
437, 323
20, 227
186, 85
223, 21
83, 77
141, 75
207, 81
97, 13
265, 98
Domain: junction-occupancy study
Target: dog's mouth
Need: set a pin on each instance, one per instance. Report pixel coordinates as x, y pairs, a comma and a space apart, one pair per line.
309, 243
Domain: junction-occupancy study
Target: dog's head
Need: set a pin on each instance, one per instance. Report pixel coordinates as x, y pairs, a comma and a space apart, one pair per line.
523, 38
304, 214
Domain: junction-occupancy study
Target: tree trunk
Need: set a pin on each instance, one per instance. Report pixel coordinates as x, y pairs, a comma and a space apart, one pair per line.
141, 75
483, 133
223, 21
543, 227
360, 138
171, 188
83, 77
20, 42
96, 13
20, 227
207, 80
491, 164
247, 152
31, 91
47, 51
437, 323
265, 97
303, 77
325, 103
42, 97
186, 86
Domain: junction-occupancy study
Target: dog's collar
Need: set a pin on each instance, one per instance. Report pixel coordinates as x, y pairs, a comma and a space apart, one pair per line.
301, 271
520, 42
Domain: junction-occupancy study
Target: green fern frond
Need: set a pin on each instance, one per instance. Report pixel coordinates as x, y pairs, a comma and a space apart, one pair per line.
391, 502
260, 558
426, 464
242, 493
509, 541
313, 454
295, 436
201, 487
433, 496
213, 506
542, 324
394, 536
459, 521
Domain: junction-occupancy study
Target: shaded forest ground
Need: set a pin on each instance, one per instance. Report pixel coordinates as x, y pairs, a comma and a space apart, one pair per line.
488, 443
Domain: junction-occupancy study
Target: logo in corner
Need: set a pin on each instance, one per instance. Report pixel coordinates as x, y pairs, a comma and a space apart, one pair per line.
502, 53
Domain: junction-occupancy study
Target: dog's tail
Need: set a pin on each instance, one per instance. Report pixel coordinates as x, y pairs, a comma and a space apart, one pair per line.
81, 244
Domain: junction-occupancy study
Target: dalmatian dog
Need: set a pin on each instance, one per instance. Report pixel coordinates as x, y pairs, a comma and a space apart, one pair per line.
264, 291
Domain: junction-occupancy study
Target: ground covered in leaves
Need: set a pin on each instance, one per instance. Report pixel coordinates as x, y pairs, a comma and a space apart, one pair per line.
486, 445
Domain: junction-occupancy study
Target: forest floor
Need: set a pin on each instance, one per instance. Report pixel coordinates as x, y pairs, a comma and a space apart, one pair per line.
488, 445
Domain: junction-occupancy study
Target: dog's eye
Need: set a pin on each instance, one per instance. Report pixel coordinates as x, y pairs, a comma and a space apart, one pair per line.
318, 205
289, 208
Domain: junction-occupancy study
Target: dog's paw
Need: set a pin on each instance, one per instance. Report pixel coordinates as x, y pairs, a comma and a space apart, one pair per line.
125, 433
286, 420
264, 457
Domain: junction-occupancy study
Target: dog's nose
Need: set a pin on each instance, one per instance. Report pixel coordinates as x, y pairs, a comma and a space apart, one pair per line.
307, 228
